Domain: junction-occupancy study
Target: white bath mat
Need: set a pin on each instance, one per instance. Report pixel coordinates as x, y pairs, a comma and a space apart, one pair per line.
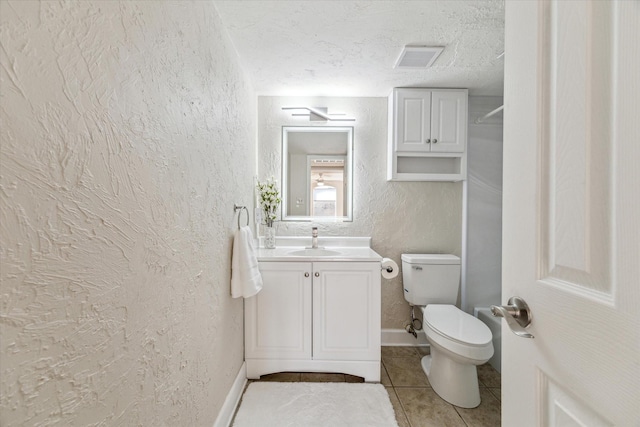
266, 404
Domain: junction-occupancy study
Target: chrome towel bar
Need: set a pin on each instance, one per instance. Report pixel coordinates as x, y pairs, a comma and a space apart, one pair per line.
237, 208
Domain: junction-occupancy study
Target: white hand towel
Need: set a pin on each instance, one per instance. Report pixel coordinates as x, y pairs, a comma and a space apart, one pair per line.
246, 280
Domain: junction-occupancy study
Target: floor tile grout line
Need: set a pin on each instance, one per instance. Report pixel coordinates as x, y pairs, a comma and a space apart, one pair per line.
460, 415
413, 386
404, 411
406, 417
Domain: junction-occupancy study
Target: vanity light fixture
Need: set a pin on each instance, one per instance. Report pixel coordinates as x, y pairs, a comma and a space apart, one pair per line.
418, 56
316, 114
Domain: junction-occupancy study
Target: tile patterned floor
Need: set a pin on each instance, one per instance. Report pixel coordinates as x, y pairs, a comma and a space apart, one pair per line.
414, 401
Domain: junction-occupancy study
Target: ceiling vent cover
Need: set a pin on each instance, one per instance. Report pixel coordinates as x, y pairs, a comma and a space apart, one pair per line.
418, 56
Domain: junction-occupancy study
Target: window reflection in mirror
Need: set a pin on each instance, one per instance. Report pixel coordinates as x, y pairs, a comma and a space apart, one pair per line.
317, 173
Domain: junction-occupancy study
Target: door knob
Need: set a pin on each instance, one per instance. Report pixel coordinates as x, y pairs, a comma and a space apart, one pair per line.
517, 315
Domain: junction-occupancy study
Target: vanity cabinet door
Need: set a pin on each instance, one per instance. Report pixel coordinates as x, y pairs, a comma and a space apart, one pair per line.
346, 311
278, 318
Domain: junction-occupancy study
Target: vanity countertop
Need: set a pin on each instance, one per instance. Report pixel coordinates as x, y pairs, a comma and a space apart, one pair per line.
294, 248
287, 253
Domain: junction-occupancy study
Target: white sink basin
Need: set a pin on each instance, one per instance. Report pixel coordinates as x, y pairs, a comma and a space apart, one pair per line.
314, 252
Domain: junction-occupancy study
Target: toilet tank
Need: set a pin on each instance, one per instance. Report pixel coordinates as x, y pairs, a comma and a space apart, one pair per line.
430, 278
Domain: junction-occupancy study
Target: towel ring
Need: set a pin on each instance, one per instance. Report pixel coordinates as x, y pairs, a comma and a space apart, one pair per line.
237, 208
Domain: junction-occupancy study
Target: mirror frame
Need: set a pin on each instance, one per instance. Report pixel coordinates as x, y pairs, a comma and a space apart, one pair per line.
348, 173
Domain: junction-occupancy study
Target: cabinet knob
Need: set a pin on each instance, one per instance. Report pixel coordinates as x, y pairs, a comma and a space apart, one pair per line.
306, 274
428, 141
435, 141
317, 274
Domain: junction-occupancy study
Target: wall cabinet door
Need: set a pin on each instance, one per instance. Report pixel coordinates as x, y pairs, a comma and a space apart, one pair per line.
412, 120
278, 318
346, 311
448, 121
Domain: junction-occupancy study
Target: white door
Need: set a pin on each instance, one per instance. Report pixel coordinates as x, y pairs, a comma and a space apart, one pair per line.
572, 212
448, 121
346, 311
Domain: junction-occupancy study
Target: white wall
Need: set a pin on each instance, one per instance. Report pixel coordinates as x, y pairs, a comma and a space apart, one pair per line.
484, 221
127, 133
401, 217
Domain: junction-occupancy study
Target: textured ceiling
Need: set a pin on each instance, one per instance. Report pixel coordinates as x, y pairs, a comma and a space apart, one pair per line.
348, 48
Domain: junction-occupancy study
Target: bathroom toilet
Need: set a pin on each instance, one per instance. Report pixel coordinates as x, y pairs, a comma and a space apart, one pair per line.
459, 342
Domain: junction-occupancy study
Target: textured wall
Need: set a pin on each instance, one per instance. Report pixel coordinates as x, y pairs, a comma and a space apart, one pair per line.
127, 135
401, 217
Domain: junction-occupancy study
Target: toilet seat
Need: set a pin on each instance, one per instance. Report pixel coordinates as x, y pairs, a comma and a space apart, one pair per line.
453, 323
457, 331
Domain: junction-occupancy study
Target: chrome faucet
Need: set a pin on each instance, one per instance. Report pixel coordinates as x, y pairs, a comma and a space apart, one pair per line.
314, 238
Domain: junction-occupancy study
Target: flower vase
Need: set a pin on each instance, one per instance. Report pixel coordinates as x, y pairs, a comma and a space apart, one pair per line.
269, 237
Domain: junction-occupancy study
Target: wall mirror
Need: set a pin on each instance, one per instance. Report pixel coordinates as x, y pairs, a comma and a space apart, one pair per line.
317, 173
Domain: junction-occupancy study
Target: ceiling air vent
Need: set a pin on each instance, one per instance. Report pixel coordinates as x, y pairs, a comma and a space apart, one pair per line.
418, 56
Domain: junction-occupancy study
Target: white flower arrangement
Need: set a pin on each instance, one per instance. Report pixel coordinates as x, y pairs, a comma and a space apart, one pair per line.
269, 199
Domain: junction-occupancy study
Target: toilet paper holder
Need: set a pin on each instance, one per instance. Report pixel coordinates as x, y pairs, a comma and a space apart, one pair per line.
388, 268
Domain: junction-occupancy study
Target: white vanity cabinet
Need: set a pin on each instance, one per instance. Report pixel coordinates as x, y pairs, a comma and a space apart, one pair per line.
315, 317
427, 134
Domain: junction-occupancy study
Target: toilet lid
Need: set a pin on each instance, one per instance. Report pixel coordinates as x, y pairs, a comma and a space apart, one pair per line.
455, 324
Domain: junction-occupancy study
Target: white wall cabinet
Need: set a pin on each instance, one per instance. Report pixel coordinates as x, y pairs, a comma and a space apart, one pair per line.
315, 317
427, 134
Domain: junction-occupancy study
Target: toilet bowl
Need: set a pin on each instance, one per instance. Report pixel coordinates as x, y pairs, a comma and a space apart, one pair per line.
459, 342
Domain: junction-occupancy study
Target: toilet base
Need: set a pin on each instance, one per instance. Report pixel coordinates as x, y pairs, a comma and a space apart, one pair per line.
457, 383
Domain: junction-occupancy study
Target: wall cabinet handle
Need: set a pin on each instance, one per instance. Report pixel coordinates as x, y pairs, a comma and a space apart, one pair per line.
428, 141
317, 274
306, 274
435, 141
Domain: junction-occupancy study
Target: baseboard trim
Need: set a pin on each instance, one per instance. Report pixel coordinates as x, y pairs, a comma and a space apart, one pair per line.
400, 337
225, 416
